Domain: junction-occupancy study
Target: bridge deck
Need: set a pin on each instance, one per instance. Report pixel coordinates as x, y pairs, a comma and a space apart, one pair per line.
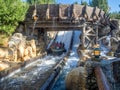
62, 16
56, 25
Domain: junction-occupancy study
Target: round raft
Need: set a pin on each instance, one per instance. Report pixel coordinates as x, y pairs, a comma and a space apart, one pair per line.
58, 51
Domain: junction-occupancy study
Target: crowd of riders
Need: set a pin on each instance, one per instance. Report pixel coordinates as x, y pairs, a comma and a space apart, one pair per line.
57, 45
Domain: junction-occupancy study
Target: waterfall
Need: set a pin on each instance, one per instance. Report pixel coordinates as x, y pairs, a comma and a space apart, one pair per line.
71, 63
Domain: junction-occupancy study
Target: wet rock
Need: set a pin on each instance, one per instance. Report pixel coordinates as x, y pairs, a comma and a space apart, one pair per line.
76, 79
82, 77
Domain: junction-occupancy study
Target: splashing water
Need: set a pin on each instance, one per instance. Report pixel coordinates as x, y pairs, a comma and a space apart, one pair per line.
71, 63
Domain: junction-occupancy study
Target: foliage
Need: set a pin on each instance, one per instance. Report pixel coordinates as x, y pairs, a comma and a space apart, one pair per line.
41, 1
76, 2
115, 15
102, 4
11, 12
84, 3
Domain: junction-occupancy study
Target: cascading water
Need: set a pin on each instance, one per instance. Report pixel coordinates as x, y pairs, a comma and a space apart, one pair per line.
71, 63
53, 25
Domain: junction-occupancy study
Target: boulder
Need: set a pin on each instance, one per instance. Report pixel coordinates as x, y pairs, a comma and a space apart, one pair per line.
25, 58
20, 50
33, 45
6, 53
76, 79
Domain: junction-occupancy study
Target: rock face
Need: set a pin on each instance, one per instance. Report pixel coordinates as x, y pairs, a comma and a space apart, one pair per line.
76, 79
23, 49
3, 66
6, 53
17, 42
3, 53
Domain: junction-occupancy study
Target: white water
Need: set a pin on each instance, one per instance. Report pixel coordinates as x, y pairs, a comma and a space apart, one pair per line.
71, 63
34, 71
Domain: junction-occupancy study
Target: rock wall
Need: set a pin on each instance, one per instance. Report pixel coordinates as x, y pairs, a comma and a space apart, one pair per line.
82, 77
23, 49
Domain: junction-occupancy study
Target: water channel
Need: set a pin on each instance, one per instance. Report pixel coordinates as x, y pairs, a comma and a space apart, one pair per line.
70, 64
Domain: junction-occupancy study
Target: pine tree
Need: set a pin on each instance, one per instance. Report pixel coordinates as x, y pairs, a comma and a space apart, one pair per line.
102, 4
83, 2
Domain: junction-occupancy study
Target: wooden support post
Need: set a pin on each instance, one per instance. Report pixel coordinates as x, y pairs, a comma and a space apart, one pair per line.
96, 33
45, 38
60, 12
101, 79
83, 36
48, 13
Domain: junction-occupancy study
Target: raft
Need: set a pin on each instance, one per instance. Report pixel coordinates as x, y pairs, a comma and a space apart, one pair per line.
58, 51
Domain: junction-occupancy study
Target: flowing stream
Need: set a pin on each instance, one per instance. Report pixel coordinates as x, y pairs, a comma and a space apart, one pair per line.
70, 64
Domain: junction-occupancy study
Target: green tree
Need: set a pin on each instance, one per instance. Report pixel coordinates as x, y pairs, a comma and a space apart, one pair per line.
75, 2
102, 4
115, 15
41, 1
84, 2
11, 12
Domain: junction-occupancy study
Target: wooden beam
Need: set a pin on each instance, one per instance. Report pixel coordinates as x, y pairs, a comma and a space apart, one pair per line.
58, 28
101, 79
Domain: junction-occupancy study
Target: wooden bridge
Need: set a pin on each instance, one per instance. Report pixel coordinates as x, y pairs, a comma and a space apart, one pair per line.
55, 17
62, 17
